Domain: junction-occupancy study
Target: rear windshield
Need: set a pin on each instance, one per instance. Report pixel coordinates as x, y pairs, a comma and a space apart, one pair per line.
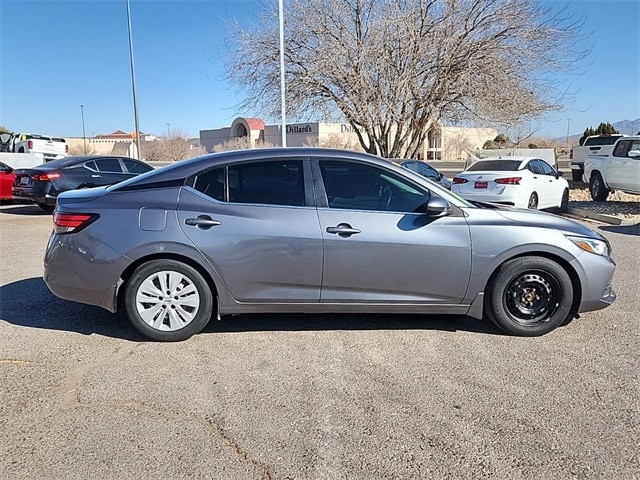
604, 140
492, 165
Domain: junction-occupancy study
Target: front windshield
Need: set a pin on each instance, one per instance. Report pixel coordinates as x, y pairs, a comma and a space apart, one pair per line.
495, 165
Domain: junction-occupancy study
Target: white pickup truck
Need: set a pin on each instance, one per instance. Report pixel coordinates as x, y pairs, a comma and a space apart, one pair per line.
593, 145
620, 170
50, 147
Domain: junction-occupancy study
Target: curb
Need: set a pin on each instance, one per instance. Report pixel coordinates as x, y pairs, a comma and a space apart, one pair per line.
578, 212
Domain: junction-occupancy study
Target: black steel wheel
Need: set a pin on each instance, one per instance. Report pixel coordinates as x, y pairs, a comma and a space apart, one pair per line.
533, 201
530, 296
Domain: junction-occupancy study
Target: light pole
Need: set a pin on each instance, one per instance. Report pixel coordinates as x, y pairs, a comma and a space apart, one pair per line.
568, 121
84, 136
133, 83
167, 131
282, 91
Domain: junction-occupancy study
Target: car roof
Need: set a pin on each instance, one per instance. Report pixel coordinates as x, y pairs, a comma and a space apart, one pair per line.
66, 161
186, 168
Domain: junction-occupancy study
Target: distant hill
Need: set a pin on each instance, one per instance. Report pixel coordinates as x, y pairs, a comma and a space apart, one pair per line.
628, 127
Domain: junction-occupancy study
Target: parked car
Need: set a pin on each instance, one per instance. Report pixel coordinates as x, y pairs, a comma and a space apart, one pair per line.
619, 170
522, 182
427, 170
315, 230
43, 184
7, 176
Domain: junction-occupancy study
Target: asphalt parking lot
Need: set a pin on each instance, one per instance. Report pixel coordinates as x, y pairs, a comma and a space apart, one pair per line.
311, 396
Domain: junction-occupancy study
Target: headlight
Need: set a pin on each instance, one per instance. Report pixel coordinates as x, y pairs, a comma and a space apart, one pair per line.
592, 245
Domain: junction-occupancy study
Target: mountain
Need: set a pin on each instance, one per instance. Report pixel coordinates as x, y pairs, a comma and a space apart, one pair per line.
630, 127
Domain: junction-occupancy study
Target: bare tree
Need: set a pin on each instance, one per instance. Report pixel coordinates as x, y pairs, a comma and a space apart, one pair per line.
240, 143
173, 148
392, 68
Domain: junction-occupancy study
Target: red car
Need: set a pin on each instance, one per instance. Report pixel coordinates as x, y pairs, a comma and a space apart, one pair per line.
7, 177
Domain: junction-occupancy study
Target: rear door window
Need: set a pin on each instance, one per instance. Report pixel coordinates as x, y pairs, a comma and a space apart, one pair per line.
109, 165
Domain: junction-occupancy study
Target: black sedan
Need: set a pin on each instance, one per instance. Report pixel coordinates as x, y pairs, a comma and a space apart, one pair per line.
43, 183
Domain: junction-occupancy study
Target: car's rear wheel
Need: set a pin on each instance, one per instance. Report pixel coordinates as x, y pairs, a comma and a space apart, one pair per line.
533, 201
167, 300
47, 208
597, 189
576, 175
530, 296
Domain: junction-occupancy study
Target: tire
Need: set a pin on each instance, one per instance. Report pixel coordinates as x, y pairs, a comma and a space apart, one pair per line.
564, 202
530, 296
162, 317
47, 208
599, 192
533, 201
576, 175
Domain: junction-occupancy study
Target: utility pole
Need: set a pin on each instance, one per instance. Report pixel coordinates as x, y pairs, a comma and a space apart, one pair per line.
282, 90
84, 135
133, 84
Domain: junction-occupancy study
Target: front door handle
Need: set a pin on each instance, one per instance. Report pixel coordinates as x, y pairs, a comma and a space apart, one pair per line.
343, 230
203, 222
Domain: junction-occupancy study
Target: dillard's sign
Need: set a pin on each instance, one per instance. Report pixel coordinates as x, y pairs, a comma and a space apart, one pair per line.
298, 129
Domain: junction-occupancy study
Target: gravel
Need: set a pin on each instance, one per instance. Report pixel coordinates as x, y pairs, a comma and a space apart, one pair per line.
622, 206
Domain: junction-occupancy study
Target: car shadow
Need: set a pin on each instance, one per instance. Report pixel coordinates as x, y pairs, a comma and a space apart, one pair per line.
29, 303
623, 229
23, 209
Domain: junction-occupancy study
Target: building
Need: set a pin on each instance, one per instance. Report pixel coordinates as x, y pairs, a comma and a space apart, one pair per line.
443, 142
115, 143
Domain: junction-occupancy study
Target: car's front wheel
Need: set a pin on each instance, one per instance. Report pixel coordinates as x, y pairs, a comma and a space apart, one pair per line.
167, 300
530, 296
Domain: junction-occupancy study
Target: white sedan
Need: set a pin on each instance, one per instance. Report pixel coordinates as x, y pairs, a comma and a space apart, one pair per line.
524, 182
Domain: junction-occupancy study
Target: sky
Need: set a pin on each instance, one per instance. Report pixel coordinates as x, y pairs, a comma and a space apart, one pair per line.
64, 60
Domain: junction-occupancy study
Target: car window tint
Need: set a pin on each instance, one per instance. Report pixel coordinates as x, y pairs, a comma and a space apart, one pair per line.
135, 167
355, 186
495, 165
277, 182
427, 171
109, 165
91, 165
622, 148
211, 183
546, 168
535, 167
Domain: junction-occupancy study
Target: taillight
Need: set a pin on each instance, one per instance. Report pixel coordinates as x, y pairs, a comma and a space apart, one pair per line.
66, 149
459, 180
45, 177
508, 180
30, 144
72, 222
571, 154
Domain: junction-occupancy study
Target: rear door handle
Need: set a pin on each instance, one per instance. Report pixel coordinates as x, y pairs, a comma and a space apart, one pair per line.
343, 230
203, 222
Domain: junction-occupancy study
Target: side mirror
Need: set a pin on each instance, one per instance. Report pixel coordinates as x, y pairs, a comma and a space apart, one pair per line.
435, 207
559, 174
634, 153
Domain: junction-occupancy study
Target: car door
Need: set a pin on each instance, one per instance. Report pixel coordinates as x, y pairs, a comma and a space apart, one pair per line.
541, 183
103, 171
257, 226
623, 171
377, 249
553, 185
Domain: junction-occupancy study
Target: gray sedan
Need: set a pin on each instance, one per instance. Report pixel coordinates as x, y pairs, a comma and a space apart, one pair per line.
316, 230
